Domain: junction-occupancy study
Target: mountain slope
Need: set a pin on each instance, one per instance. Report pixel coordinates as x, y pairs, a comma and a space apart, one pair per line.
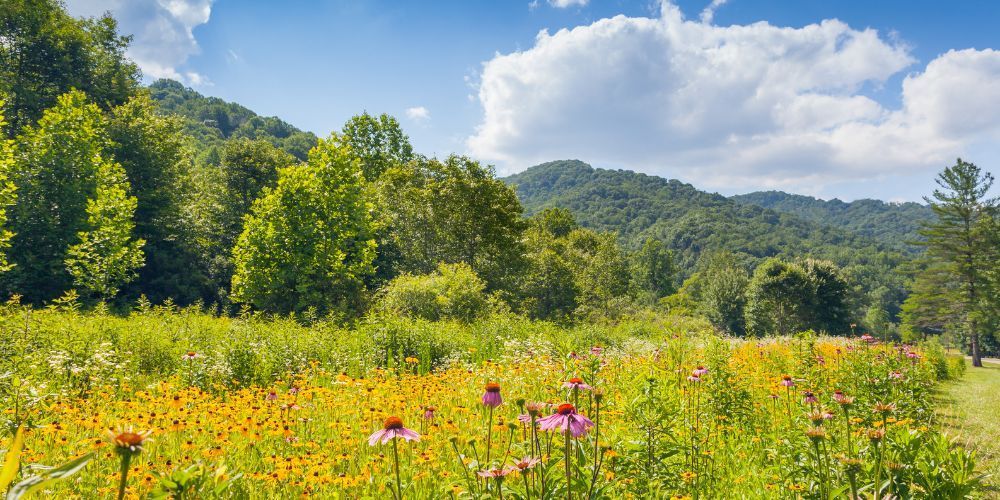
211, 121
895, 224
692, 222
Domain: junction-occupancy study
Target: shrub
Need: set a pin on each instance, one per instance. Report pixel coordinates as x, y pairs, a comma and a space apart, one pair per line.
453, 292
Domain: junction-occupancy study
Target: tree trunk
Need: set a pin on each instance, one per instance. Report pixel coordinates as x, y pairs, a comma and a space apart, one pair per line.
977, 359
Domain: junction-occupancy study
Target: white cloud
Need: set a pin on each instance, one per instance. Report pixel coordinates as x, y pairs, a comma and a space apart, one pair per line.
708, 14
418, 113
738, 107
163, 30
562, 4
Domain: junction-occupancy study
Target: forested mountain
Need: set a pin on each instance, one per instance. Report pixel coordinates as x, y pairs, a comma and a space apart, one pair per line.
692, 222
892, 223
211, 121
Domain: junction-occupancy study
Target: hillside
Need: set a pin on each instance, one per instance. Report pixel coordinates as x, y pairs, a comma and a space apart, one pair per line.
211, 121
892, 223
692, 222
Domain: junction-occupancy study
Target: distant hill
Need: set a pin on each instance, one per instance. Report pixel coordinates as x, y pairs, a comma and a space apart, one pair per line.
692, 222
893, 223
211, 121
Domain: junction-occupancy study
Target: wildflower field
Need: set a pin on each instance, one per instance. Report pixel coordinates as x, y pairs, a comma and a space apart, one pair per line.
184, 404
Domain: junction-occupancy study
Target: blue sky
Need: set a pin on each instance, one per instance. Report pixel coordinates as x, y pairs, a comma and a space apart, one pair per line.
759, 95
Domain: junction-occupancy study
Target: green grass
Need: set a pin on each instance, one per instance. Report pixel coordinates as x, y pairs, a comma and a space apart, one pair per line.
968, 410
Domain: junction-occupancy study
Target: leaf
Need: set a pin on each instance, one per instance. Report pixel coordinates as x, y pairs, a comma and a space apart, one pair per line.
24, 488
12, 459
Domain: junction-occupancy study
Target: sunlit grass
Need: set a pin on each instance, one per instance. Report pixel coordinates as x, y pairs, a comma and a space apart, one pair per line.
969, 408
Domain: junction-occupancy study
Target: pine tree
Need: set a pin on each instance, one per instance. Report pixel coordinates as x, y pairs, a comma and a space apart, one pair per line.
955, 240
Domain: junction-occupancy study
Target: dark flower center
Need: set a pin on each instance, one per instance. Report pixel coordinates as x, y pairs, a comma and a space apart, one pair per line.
393, 423
576, 380
492, 387
566, 409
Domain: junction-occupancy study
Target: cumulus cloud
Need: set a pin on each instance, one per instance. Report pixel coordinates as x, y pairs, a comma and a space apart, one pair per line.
708, 14
418, 113
163, 31
737, 107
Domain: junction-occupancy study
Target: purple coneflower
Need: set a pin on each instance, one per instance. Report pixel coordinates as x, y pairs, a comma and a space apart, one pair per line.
810, 397
895, 375
429, 412
565, 418
701, 370
527, 463
786, 380
576, 383
272, 396
596, 350
492, 397
190, 355
393, 429
694, 378
495, 473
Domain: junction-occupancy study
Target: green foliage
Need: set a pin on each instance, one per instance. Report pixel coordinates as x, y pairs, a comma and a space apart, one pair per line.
452, 211
602, 274
107, 256
46, 53
249, 166
452, 292
378, 142
828, 311
895, 224
962, 257
68, 184
778, 297
47, 476
8, 193
308, 243
722, 297
653, 269
211, 121
152, 149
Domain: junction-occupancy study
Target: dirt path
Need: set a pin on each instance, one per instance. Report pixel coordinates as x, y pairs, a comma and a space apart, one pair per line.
970, 409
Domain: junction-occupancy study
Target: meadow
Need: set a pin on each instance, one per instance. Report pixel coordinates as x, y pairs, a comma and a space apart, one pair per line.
192, 405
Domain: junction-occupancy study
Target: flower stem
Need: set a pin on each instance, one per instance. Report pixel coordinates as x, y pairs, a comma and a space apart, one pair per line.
126, 459
489, 437
568, 457
395, 461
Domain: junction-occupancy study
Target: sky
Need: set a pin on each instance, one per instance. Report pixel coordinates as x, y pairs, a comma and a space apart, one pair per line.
847, 99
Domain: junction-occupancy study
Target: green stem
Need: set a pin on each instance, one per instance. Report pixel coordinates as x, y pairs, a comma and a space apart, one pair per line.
126, 459
489, 437
395, 461
568, 458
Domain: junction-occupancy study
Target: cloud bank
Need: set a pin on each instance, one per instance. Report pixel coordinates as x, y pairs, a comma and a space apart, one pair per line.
163, 30
733, 108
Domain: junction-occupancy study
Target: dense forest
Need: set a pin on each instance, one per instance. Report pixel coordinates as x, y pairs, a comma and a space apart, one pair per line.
115, 192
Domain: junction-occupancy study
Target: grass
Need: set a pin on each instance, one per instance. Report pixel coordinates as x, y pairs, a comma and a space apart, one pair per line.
967, 409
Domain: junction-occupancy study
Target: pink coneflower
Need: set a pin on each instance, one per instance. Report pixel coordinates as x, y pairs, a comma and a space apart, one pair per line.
895, 375
293, 390
772, 396
393, 429
596, 350
429, 412
842, 399
694, 378
491, 397
272, 396
786, 380
912, 355
701, 370
527, 463
534, 409
810, 397
495, 473
190, 356
576, 383
867, 338
820, 360
574, 355
566, 418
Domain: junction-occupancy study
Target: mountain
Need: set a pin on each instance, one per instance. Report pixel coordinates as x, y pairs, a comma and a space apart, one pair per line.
892, 223
691, 222
211, 121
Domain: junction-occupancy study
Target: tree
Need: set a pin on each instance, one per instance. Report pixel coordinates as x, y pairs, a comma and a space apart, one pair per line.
107, 255
548, 285
829, 308
46, 52
308, 242
778, 299
962, 208
601, 271
249, 166
8, 193
152, 149
722, 297
653, 269
67, 182
451, 211
379, 142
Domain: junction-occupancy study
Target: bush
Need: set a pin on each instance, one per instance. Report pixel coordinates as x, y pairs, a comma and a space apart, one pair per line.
453, 292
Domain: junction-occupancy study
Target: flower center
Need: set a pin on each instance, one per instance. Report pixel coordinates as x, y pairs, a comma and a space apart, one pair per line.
576, 380
393, 423
129, 439
492, 387
566, 409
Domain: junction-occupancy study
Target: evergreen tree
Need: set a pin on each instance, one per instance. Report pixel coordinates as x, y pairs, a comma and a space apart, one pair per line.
778, 299
956, 240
